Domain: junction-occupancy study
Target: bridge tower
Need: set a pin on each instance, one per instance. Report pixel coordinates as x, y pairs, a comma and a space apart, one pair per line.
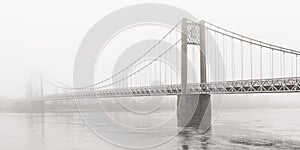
35, 85
35, 88
29, 88
193, 110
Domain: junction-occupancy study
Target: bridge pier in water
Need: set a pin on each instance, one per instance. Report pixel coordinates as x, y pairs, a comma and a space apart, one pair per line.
194, 111
36, 107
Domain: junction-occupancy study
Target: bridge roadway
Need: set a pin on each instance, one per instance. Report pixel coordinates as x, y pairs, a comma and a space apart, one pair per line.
275, 85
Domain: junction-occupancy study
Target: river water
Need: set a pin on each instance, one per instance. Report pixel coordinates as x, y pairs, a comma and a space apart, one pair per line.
232, 129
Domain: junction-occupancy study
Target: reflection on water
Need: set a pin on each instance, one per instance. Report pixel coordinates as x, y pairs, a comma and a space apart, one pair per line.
234, 129
193, 139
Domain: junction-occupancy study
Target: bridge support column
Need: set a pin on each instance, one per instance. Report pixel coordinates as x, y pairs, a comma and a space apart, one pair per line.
194, 111
37, 107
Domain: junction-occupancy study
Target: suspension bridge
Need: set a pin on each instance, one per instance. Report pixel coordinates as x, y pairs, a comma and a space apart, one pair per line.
199, 59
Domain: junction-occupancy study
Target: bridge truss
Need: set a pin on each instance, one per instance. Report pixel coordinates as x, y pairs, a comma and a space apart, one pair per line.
235, 64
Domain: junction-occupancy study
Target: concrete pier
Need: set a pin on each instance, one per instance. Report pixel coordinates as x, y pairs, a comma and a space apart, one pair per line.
194, 111
36, 107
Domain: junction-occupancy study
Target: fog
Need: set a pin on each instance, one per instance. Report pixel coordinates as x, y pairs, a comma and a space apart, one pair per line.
44, 36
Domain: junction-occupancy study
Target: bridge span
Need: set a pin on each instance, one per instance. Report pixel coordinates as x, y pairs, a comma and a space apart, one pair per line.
201, 59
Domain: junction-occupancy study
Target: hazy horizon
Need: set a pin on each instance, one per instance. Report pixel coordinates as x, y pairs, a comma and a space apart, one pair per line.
47, 41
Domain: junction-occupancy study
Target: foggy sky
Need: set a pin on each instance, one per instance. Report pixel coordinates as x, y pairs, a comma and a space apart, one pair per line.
45, 35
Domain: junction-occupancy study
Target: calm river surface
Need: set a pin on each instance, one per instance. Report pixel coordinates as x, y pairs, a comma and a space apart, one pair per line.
232, 129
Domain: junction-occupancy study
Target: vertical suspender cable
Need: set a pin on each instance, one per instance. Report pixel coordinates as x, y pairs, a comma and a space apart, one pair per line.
119, 80
193, 61
292, 66
154, 66
140, 73
177, 68
296, 71
233, 59
207, 47
215, 58
283, 64
296, 65
144, 70
137, 75
170, 66
251, 61
149, 70
210, 62
165, 62
124, 79
130, 77
242, 61
224, 64
160, 67
272, 65
280, 64
261, 67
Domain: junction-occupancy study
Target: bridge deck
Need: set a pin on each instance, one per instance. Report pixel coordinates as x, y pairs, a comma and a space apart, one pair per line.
276, 85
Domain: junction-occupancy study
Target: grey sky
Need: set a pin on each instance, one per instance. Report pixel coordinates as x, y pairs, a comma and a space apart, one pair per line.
45, 35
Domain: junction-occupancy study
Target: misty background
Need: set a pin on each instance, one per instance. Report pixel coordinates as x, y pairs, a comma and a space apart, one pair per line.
44, 37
